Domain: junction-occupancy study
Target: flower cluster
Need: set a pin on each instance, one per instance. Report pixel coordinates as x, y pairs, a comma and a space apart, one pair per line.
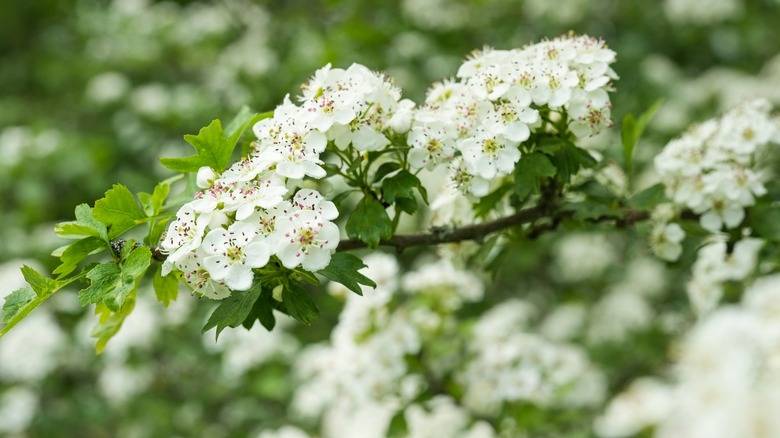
714, 169
477, 122
727, 377
511, 365
241, 217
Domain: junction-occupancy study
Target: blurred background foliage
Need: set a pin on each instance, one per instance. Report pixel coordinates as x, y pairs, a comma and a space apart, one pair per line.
94, 92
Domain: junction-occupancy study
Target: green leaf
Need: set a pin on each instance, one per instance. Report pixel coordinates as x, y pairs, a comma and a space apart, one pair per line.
213, 149
530, 171
84, 225
386, 169
263, 311
153, 238
569, 159
345, 268
166, 288
76, 252
233, 310
369, 222
42, 285
632, 131
299, 304
111, 284
153, 203
118, 210
400, 185
110, 322
648, 198
764, 219
241, 122
591, 210
19, 304
487, 203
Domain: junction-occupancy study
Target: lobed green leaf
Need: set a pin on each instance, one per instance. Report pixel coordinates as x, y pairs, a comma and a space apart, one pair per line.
165, 288
345, 268
119, 210
529, 173
369, 222
84, 225
233, 310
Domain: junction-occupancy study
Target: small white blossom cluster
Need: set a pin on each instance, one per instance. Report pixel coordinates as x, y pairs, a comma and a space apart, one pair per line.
728, 378
716, 264
356, 383
241, 218
477, 123
511, 365
715, 168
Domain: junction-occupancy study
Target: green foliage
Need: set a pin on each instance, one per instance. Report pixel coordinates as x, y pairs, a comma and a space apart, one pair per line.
118, 210
369, 222
529, 173
344, 269
214, 147
631, 133
399, 189
22, 301
299, 304
648, 198
84, 225
165, 288
109, 322
76, 252
568, 159
111, 283
764, 220
233, 310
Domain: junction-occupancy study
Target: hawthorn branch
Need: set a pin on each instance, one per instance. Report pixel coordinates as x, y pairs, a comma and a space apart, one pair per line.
445, 235
479, 231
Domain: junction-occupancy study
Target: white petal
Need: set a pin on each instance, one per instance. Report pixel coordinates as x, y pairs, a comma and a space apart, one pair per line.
257, 253
217, 266
239, 277
316, 259
290, 255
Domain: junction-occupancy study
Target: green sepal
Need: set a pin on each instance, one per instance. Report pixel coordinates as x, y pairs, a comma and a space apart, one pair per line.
345, 268
369, 222
233, 310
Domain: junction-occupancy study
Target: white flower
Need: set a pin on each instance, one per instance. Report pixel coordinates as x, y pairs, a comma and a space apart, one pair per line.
307, 199
305, 238
206, 177
182, 236
265, 193
488, 155
231, 254
199, 279
431, 144
666, 239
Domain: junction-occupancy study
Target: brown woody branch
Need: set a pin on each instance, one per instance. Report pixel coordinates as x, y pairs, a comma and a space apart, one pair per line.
476, 232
